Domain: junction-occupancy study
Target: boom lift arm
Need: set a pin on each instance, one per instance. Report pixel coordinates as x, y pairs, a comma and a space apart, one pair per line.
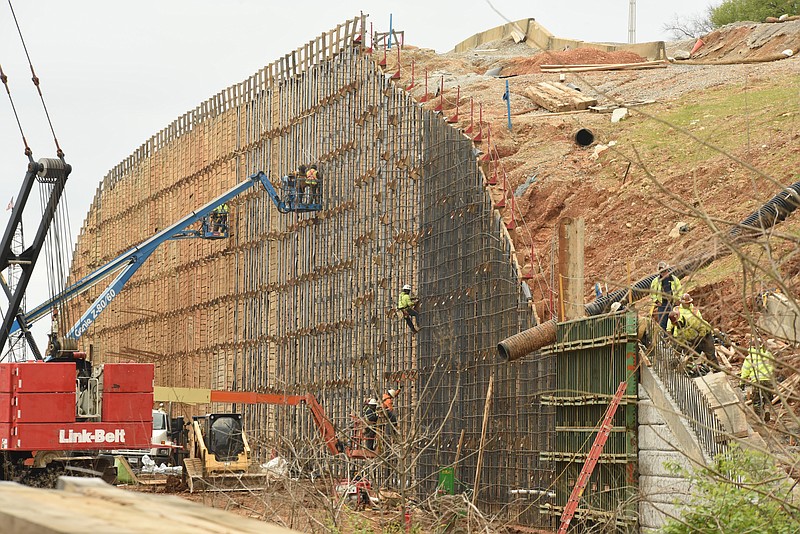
128, 263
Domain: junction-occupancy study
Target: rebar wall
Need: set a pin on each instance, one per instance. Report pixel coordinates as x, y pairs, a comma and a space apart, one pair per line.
472, 297
304, 303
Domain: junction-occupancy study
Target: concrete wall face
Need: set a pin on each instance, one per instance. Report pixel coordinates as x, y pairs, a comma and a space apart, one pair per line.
303, 303
662, 492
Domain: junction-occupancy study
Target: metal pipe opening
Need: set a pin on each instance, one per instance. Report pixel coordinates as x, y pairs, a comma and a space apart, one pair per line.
584, 137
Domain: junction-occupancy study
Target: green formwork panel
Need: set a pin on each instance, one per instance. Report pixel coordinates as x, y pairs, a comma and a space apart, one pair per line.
593, 356
597, 330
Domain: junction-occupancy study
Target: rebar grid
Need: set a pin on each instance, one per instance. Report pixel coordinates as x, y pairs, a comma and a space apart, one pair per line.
471, 298
299, 303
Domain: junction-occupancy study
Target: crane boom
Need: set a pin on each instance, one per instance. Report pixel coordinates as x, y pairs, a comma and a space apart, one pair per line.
55, 172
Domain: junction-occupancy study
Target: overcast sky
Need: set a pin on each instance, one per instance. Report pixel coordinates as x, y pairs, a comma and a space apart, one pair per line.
113, 73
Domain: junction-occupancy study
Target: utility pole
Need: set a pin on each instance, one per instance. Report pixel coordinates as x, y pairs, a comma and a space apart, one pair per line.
632, 22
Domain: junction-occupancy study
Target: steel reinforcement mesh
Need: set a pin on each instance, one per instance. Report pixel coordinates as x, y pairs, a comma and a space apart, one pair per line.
306, 303
471, 300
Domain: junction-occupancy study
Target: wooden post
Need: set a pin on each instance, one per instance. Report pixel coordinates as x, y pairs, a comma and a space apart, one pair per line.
486, 408
570, 267
458, 449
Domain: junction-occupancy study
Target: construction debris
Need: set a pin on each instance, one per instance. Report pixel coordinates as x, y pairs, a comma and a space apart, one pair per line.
619, 114
595, 67
557, 97
608, 108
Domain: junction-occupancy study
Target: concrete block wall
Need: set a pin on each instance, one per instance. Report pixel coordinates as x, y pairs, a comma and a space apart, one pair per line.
662, 493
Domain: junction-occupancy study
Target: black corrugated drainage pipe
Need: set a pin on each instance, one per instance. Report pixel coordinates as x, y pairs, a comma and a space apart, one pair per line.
583, 137
772, 212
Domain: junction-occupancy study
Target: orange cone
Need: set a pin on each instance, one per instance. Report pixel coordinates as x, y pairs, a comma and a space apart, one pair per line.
699, 44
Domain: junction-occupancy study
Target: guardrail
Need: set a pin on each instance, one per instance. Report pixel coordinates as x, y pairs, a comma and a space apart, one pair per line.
707, 427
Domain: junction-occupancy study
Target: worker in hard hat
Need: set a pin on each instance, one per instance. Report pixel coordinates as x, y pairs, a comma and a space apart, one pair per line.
387, 407
219, 218
665, 292
694, 335
370, 420
313, 178
757, 373
301, 182
406, 304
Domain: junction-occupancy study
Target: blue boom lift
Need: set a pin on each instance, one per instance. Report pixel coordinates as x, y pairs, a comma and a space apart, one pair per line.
214, 225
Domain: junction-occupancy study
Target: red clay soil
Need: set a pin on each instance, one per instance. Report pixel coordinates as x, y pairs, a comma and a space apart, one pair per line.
627, 217
577, 56
748, 41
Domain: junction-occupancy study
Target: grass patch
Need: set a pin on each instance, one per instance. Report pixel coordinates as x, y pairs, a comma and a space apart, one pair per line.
725, 118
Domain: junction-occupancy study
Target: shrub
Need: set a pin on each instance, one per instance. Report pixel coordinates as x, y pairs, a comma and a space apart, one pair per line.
754, 10
742, 492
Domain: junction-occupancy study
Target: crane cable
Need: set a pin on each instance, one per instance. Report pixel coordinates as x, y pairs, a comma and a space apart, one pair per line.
4, 79
58, 239
35, 79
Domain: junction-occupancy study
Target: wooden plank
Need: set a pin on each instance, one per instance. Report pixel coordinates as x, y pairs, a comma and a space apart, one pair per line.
629, 66
90, 505
558, 98
581, 65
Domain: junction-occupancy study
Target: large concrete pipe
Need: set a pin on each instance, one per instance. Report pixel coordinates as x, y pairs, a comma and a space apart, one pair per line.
772, 212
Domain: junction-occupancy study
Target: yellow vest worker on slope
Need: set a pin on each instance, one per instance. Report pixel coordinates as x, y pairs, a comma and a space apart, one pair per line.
665, 292
757, 372
692, 332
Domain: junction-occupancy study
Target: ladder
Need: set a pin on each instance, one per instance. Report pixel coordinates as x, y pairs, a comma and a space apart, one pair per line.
591, 461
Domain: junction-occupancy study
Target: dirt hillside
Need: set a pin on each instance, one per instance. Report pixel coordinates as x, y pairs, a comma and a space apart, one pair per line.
713, 141
702, 147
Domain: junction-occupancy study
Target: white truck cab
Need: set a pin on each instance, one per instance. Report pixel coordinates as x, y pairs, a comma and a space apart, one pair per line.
160, 433
161, 447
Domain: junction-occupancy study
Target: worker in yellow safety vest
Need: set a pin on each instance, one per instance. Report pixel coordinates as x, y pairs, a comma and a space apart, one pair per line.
665, 292
757, 372
406, 303
219, 218
693, 335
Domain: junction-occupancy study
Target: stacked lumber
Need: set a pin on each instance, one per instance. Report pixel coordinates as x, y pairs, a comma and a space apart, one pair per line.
604, 66
557, 97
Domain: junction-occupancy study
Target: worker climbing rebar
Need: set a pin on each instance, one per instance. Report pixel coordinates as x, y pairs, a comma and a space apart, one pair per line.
407, 306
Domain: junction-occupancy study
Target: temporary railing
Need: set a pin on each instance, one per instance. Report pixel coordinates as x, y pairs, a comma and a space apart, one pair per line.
707, 427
